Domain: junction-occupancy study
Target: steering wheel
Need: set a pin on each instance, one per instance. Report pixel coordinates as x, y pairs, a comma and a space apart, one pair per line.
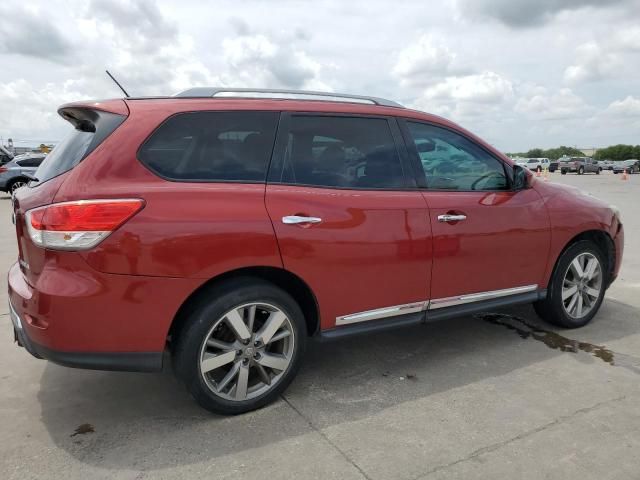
486, 176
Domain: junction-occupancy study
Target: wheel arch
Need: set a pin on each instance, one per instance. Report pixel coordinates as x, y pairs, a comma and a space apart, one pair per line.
602, 240
14, 180
281, 278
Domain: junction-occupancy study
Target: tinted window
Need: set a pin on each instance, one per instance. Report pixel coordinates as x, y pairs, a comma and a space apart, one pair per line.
452, 162
212, 146
31, 162
344, 152
91, 128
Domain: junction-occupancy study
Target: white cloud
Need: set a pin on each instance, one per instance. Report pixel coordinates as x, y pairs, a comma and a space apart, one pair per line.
542, 105
485, 87
426, 60
609, 58
629, 107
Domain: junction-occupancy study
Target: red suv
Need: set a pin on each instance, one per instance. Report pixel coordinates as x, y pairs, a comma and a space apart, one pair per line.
230, 226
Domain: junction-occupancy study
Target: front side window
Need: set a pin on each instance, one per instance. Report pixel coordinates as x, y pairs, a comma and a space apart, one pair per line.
342, 152
452, 162
212, 146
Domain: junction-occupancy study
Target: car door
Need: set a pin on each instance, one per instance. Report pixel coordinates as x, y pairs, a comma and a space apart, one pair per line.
489, 241
348, 217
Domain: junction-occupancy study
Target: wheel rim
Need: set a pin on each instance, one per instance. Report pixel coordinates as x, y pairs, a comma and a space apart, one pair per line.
582, 285
16, 186
247, 351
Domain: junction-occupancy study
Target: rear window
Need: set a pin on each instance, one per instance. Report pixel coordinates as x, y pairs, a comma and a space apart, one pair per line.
212, 146
91, 128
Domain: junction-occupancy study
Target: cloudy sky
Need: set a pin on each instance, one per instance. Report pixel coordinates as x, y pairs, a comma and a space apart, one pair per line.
520, 73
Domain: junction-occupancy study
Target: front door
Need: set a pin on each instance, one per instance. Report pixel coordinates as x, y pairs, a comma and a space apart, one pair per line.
347, 222
488, 240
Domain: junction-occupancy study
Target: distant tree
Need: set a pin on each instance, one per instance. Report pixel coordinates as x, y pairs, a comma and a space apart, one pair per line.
618, 152
535, 153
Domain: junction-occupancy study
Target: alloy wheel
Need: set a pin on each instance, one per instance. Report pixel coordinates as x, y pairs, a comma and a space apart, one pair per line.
247, 351
582, 285
16, 186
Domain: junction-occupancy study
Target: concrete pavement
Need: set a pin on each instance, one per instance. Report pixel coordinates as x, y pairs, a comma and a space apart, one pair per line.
464, 398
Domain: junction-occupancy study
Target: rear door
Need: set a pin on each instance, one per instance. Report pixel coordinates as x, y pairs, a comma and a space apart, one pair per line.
487, 238
348, 217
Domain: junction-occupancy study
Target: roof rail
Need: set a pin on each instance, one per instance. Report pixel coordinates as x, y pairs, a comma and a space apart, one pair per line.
283, 94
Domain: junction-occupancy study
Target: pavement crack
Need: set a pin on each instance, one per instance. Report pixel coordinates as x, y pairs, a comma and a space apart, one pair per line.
327, 439
496, 446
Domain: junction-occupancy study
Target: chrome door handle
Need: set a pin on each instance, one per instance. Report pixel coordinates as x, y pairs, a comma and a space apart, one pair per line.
294, 219
451, 218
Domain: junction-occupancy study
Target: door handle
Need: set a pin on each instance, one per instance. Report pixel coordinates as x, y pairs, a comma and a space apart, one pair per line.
295, 219
451, 218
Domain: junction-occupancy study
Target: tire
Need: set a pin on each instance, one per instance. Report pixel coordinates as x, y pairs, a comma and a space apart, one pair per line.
580, 170
598, 171
208, 321
554, 309
563, 172
15, 184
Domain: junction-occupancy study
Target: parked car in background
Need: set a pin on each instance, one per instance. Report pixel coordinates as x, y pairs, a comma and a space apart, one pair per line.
606, 164
537, 164
5, 155
229, 226
521, 161
553, 166
19, 171
579, 165
631, 166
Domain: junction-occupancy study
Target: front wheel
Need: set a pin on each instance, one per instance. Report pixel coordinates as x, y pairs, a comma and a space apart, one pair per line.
241, 346
563, 172
598, 171
576, 288
580, 171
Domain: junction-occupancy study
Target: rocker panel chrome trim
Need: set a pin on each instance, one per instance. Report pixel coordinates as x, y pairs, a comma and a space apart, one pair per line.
382, 313
478, 297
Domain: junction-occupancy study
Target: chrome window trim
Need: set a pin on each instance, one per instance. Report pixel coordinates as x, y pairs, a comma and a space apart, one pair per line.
478, 297
385, 312
416, 307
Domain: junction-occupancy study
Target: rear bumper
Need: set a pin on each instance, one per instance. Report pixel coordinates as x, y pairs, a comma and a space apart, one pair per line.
119, 361
78, 317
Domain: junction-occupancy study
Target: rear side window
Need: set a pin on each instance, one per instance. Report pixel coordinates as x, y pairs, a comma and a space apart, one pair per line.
212, 146
91, 127
343, 152
31, 162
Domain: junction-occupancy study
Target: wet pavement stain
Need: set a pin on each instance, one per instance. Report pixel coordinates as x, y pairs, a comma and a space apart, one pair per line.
83, 429
556, 341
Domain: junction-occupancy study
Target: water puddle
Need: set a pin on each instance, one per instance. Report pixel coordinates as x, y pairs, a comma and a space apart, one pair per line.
556, 341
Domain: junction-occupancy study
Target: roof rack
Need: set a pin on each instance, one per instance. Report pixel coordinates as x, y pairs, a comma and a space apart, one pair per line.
283, 94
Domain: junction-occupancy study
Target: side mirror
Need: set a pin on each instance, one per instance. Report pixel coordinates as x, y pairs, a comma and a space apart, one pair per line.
425, 146
520, 180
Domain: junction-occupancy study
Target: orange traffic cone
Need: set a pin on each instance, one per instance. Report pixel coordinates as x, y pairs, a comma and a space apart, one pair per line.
537, 172
624, 175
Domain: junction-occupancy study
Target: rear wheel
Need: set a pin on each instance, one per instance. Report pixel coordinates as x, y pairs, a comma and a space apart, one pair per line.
240, 350
580, 170
15, 185
563, 172
577, 287
598, 171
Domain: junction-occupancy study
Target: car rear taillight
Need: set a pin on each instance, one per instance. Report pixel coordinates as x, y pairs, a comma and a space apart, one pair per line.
3, 169
79, 225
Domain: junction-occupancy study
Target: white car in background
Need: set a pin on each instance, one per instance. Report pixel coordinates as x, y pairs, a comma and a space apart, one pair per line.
537, 164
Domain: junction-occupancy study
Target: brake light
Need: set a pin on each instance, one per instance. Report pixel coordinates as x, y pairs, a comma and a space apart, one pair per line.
79, 225
3, 169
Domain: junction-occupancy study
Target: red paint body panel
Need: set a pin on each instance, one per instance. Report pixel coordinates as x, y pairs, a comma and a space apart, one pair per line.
503, 243
371, 250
